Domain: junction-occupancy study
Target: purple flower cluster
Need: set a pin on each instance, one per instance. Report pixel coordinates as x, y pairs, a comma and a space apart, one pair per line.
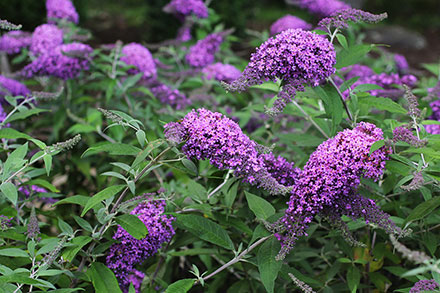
294, 56
320, 7
328, 182
187, 7
341, 18
140, 57
46, 37
434, 128
65, 61
282, 170
401, 63
404, 133
170, 96
424, 285
184, 33
389, 82
129, 251
203, 52
61, 9
13, 42
221, 72
12, 87
288, 22
211, 135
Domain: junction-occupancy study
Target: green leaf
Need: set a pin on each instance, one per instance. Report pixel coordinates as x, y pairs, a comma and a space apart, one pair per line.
83, 223
77, 244
117, 149
15, 160
76, 199
131, 81
206, 229
103, 279
140, 135
197, 191
267, 265
342, 40
42, 183
181, 286
190, 166
270, 86
332, 104
352, 56
10, 133
23, 278
375, 146
64, 227
10, 192
261, 207
47, 163
423, 209
13, 252
385, 104
100, 196
132, 225
24, 114
353, 278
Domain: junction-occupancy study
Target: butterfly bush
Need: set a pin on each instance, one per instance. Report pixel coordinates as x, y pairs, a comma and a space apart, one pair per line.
65, 62
170, 96
289, 22
203, 52
213, 136
221, 72
128, 252
296, 57
140, 57
187, 7
424, 285
13, 42
61, 9
45, 38
341, 18
320, 7
11, 87
327, 184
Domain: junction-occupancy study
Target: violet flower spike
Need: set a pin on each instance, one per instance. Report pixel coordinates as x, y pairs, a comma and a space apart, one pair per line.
342, 18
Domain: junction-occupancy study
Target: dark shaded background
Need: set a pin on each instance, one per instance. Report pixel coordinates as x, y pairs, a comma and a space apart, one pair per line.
144, 21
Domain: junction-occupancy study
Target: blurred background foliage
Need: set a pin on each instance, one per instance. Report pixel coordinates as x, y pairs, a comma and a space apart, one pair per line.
130, 20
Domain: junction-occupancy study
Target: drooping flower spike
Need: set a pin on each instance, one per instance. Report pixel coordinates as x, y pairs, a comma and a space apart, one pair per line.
187, 7
221, 72
212, 136
341, 18
13, 42
296, 57
327, 185
45, 38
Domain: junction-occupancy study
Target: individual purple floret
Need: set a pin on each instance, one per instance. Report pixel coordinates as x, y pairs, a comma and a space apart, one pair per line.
341, 18
13, 42
11, 87
140, 57
404, 133
401, 63
212, 136
187, 7
434, 128
170, 96
289, 22
129, 251
424, 285
203, 52
45, 38
61, 9
65, 62
320, 7
328, 182
296, 57
221, 72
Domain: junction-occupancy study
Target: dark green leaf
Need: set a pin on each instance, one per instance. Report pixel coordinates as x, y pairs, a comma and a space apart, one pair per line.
118, 149
206, 230
261, 207
100, 196
377, 145
181, 286
382, 103
423, 209
10, 191
132, 225
103, 279
267, 265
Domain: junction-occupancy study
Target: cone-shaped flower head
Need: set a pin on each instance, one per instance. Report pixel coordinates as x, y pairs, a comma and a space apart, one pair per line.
12, 42
11, 87
45, 38
203, 52
289, 22
187, 7
140, 57
61, 9
221, 72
